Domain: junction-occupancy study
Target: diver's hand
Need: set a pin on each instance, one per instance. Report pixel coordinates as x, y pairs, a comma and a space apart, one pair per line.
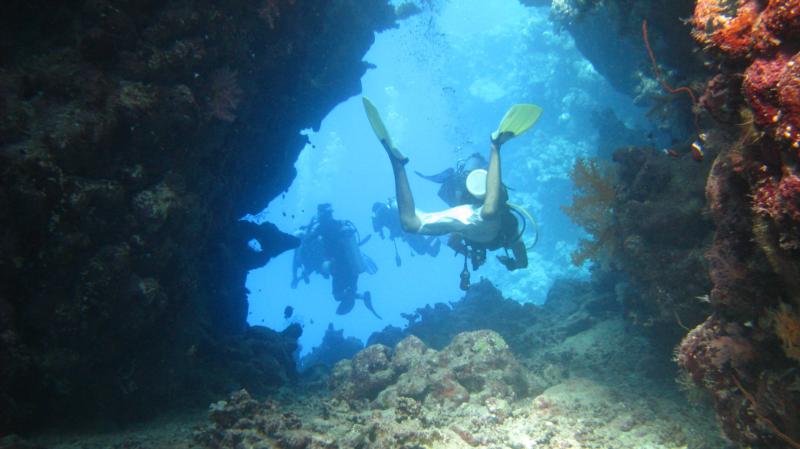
509, 262
456, 244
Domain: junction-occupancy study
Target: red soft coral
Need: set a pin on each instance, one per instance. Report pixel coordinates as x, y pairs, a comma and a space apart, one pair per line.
726, 26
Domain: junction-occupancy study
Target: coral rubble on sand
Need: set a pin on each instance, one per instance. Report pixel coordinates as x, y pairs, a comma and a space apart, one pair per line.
575, 380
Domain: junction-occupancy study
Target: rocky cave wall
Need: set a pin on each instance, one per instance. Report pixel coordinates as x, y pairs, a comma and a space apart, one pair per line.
134, 136
609, 34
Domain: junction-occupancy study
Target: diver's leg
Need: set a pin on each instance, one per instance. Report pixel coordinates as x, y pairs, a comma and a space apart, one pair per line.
520, 253
344, 291
520, 259
434, 243
418, 243
405, 200
345, 306
493, 201
367, 297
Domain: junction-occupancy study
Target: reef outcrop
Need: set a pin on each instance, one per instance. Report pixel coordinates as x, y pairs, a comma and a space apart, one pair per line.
646, 217
745, 354
473, 367
334, 347
135, 136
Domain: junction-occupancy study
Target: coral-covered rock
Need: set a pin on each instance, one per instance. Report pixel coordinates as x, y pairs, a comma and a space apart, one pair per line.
363, 377
476, 366
241, 421
482, 362
761, 88
645, 215
726, 25
409, 352
721, 97
333, 348
762, 35
483, 307
744, 352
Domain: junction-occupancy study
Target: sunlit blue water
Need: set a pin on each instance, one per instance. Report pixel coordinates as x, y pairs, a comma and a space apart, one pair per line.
442, 84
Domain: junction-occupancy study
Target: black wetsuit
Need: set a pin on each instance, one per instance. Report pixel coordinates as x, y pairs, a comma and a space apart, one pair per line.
341, 248
332, 248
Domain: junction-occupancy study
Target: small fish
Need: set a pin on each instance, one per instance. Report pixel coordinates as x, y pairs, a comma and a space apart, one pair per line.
697, 151
287, 312
703, 298
671, 153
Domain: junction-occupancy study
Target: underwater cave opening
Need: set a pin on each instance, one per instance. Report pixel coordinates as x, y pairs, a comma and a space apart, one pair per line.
442, 81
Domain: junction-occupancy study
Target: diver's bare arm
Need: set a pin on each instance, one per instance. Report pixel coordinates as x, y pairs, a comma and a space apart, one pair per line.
405, 200
493, 200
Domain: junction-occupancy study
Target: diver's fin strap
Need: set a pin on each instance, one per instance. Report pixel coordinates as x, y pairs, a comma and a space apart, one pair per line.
518, 119
380, 131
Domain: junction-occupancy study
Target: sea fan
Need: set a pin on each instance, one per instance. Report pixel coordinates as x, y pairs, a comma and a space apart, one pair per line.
593, 209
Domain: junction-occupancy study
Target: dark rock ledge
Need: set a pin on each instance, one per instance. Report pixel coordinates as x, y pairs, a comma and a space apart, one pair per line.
133, 136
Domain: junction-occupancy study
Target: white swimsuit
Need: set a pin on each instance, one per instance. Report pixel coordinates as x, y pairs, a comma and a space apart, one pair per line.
464, 220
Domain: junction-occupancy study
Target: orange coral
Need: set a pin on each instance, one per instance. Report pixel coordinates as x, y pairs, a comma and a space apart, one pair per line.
726, 25
592, 206
762, 33
778, 22
786, 323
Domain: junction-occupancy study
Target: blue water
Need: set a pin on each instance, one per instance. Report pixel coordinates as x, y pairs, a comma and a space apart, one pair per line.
442, 84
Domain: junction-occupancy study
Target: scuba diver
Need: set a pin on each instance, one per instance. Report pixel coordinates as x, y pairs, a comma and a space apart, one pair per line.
483, 220
385, 215
331, 247
308, 257
453, 181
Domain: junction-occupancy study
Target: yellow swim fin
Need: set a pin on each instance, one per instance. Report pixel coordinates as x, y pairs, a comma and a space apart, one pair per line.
379, 128
518, 119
